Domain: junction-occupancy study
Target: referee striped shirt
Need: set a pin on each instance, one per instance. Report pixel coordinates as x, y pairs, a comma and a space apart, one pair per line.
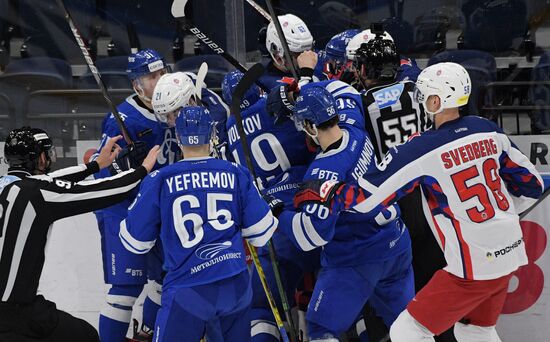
28, 207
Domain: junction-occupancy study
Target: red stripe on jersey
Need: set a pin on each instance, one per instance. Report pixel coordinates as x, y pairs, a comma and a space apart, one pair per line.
432, 204
349, 197
437, 188
464, 249
388, 200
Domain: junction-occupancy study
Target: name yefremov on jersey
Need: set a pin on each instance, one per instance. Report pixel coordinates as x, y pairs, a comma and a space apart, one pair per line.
201, 208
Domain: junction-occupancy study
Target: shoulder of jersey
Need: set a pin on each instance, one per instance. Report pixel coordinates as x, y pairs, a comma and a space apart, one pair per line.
338, 88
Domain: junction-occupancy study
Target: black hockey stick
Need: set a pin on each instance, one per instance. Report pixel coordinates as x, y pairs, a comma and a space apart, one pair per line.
95, 73
178, 12
284, 43
541, 198
244, 84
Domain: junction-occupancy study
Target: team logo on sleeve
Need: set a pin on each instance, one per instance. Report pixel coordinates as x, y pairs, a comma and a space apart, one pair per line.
210, 250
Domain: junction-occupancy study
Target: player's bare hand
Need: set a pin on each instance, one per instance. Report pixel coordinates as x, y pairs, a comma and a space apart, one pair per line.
307, 59
151, 159
108, 152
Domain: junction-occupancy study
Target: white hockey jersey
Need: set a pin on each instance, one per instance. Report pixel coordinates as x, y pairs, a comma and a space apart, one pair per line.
475, 182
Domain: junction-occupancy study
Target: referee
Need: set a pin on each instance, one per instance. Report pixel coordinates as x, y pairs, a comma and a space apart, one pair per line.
30, 201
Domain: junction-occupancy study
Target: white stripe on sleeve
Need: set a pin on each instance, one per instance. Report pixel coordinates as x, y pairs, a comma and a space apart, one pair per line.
259, 226
130, 243
261, 240
299, 233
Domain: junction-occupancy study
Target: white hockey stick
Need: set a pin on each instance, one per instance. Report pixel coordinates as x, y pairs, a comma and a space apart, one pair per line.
201, 75
259, 9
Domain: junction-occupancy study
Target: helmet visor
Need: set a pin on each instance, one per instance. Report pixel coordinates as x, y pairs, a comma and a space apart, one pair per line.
52, 154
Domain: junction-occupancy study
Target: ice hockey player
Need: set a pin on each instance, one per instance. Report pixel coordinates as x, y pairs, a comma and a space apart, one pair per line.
364, 256
407, 70
392, 116
32, 200
126, 272
300, 44
280, 158
475, 182
335, 61
177, 90
200, 208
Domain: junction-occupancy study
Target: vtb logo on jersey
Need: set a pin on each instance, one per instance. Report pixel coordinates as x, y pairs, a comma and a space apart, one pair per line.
389, 96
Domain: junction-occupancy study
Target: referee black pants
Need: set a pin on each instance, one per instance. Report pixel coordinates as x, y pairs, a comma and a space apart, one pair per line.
41, 321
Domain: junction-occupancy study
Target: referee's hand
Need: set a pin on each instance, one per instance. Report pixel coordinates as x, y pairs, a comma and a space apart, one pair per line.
108, 152
151, 159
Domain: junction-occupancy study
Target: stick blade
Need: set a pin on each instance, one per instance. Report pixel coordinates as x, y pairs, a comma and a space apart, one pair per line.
201, 75
250, 77
178, 8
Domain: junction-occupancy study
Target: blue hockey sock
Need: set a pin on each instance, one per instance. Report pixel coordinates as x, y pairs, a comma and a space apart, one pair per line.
116, 314
151, 305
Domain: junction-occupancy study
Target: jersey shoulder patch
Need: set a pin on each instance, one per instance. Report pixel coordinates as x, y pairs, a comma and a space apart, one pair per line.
388, 96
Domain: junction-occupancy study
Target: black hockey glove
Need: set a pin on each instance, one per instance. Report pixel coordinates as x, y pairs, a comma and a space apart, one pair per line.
130, 157
278, 104
275, 204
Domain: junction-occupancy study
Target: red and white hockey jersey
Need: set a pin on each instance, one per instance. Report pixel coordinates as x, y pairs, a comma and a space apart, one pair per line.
475, 182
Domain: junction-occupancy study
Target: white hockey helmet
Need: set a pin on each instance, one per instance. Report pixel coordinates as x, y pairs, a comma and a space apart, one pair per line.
361, 38
449, 81
296, 32
172, 92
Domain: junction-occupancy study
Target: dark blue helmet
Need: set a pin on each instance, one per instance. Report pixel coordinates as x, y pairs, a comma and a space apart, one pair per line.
194, 126
336, 46
315, 104
229, 84
144, 62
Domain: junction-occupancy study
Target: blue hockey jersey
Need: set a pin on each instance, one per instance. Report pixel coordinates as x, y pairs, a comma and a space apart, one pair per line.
348, 238
275, 147
201, 208
142, 125
349, 101
219, 111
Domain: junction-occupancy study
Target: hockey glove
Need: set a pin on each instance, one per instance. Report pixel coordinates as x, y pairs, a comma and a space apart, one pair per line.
278, 104
275, 204
317, 191
130, 157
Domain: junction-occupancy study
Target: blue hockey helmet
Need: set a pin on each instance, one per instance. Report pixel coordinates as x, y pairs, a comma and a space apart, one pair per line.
194, 126
336, 46
229, 84
314, 104
145, 62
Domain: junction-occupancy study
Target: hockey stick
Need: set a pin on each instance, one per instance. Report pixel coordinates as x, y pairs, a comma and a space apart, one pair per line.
244, 84
95, 73
259, 9
282, 37
199, 83
178, 12
541, 198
